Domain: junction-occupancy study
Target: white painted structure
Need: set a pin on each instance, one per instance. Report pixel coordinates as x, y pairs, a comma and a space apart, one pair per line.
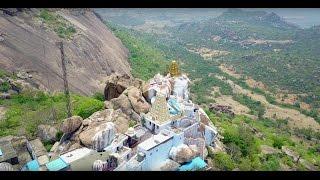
76, 154
154, 152
180, 87
155, 126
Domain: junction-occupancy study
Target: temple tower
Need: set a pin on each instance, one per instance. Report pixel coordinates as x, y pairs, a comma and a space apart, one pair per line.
174, 69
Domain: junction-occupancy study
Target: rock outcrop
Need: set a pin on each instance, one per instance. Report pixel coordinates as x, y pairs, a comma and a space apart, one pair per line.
182, 153
98, 135
104, 137
217, 108
138, 102
97, 131
47, 133
116, 84
131, 102
71, 124
265, 149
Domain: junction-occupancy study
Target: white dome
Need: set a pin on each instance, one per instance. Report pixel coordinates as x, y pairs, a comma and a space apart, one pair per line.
4, 166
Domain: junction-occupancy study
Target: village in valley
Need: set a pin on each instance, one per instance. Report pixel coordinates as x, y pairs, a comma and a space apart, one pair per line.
168, 132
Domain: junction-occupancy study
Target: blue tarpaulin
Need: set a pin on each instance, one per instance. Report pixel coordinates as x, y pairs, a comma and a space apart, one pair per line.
33, 165
196, 164
175, 108
57, 165
0, 152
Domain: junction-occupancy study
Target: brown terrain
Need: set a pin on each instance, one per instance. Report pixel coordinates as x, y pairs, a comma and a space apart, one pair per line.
208, 53
296, 119
281, 97
226, 100
28, 46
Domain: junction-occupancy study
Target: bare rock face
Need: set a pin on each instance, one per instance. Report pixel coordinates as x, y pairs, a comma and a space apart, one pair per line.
98, 130
28, 43
105, 137
116, 84
71, 124
108, 105
47, 133
131, 102
217, 108
123, 103
139, 104
295, 156
98, 136
269, 150
182, 154
122, 124
100, 116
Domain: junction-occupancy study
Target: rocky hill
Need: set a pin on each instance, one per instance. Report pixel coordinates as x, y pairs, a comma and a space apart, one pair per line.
28, 48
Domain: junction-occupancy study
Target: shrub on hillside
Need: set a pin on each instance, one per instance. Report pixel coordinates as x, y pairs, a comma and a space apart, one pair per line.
98, 96
4, 87
277, 142
87, 106
224, 161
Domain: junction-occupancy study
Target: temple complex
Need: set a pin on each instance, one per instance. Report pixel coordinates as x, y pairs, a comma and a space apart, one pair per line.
173, 135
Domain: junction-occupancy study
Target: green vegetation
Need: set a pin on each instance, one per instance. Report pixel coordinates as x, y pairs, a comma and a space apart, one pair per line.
86, 106
223, 161
256, 107
27, 110
243, 144
145, 59
98, 96
4, 87
59, 135
132, 123
58, 24
48, 145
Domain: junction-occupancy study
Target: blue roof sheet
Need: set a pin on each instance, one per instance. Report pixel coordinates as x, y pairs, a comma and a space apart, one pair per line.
57, 165
33, 165
175, 106
196, 164
0, 152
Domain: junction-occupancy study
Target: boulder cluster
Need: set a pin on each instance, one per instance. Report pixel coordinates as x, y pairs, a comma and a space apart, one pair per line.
124, 103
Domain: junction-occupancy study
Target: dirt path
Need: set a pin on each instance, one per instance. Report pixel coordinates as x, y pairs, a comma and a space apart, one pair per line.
296, 119
2, 112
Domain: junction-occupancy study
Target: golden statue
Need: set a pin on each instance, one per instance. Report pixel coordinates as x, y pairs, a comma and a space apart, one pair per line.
174, 69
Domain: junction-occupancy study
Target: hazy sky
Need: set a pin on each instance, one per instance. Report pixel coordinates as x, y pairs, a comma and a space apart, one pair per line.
304, 17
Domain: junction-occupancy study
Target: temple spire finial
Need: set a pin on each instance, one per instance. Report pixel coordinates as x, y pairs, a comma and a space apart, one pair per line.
174, 69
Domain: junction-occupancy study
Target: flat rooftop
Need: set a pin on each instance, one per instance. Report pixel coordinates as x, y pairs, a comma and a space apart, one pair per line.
155, 141
85, 163
76, 154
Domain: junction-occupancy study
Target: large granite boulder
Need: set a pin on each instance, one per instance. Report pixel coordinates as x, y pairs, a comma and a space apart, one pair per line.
47, 133
182, 154
116, 84
71, 124
108, 105
122, 124
104, 137
99, 116
138, 102
123, 103
98, 134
